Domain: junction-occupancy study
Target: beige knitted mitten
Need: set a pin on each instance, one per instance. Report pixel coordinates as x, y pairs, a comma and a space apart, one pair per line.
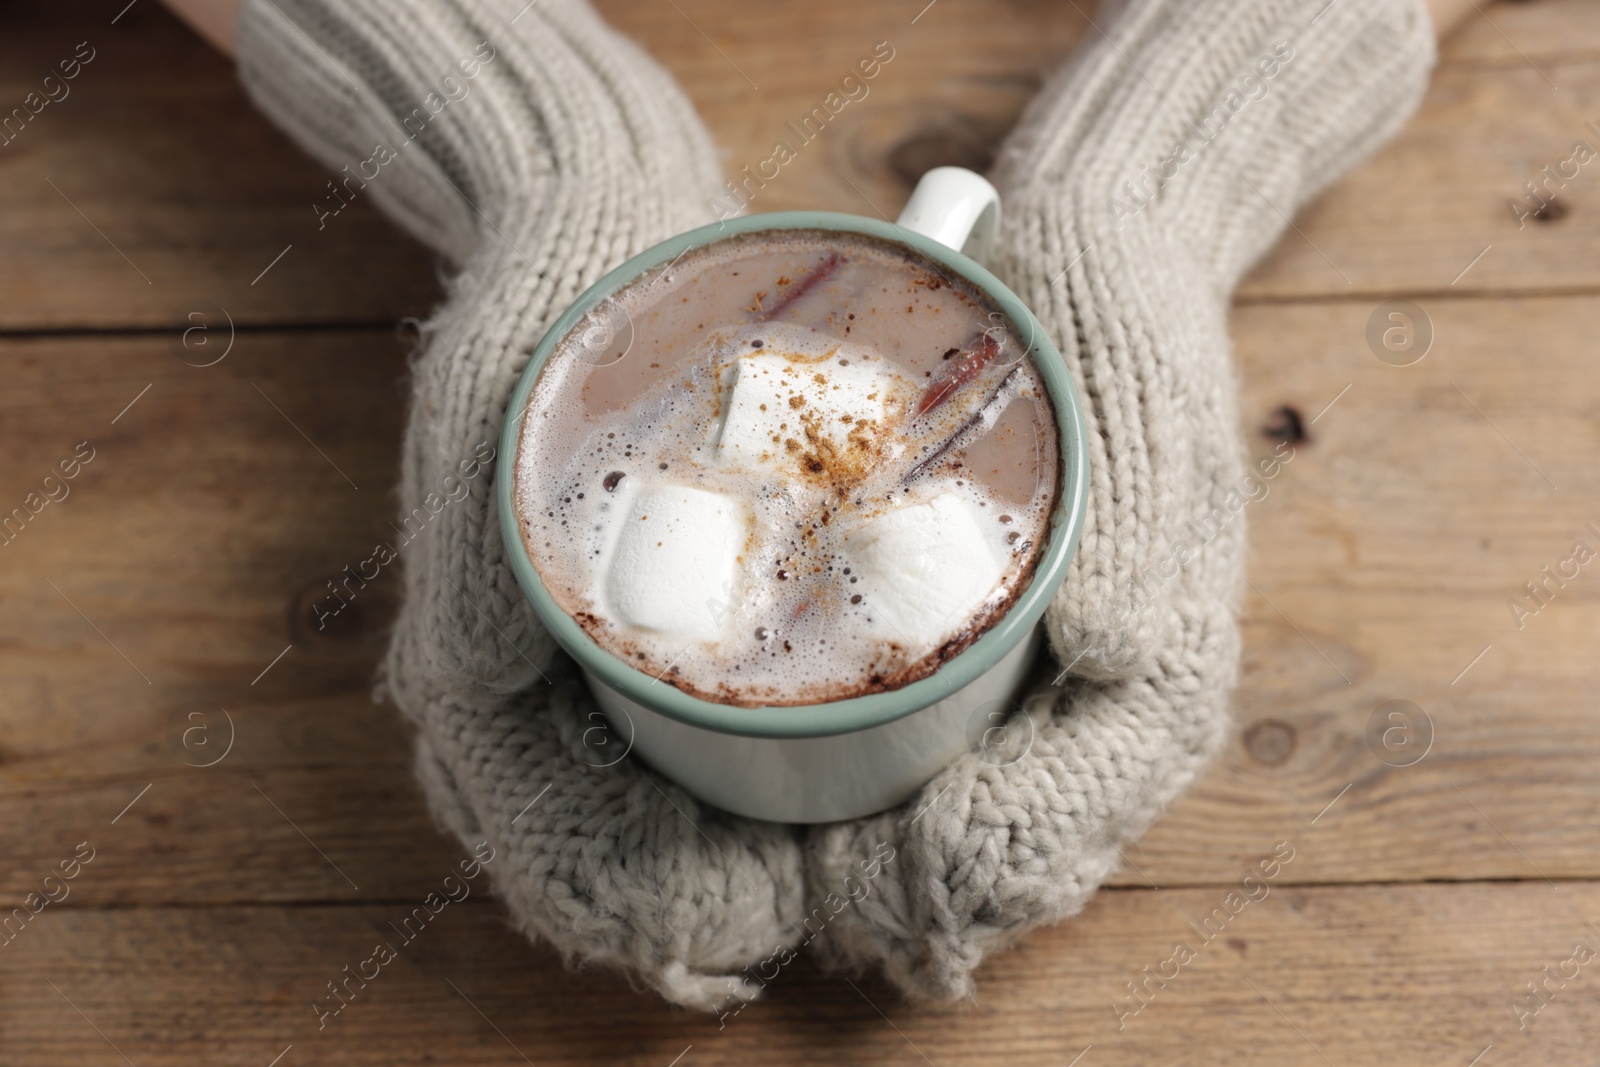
566, 151
1140, 184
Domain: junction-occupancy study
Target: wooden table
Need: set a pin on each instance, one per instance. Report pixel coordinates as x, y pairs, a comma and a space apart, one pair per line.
250, 811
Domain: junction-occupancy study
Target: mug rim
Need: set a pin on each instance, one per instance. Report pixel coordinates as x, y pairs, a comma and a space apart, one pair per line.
852, 713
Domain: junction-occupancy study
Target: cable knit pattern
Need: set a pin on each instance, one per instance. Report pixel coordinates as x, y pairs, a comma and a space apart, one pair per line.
568, 150
1127, 247
564, 154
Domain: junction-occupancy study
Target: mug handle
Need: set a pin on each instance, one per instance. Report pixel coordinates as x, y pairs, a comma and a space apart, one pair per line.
955, 207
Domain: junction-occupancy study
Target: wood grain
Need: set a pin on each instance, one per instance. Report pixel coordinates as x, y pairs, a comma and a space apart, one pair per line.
1382, 561
207, 193
1402, 975
153, 190
1517, 33
1428, 205
1396, 597
142, 617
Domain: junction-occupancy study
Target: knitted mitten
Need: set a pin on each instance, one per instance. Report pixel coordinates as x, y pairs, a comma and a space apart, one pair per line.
534, 150
1139, 186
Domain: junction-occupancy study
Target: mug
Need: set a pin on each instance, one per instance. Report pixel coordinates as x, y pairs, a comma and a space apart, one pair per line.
844, 758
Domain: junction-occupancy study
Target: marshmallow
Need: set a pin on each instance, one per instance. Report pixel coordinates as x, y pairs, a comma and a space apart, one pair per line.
675, 563
773, 398
925, 567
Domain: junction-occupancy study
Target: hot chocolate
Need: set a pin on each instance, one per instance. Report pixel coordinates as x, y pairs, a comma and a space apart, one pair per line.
794, 466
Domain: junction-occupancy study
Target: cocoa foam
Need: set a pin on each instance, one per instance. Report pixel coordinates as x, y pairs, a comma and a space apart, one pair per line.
782, 568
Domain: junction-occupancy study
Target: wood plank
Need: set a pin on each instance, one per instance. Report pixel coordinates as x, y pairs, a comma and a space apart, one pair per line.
153, 190
1416, 217
959, 77
1519, 33
183, 561
1392, 542
208, 194
1382, 974
197, 537
1408, 221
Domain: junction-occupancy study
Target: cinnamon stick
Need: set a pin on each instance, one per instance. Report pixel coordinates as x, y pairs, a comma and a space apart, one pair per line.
820, 273
980, 352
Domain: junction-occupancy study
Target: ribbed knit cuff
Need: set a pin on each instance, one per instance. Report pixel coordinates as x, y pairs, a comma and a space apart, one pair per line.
454, 117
